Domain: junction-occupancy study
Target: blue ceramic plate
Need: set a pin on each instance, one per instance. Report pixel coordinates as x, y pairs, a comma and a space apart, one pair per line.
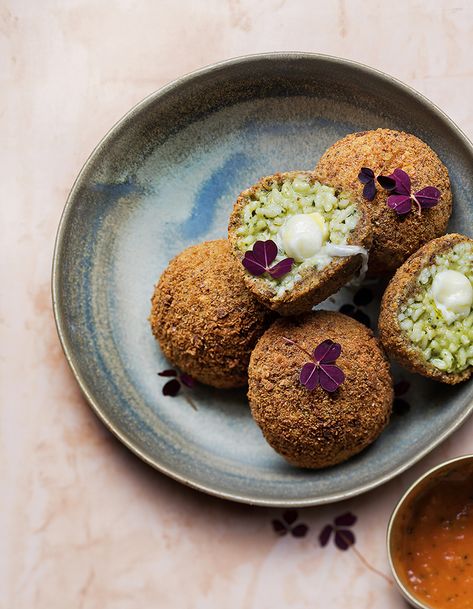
165, 177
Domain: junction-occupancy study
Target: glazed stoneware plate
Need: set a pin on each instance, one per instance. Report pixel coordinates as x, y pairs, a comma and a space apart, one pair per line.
165, 177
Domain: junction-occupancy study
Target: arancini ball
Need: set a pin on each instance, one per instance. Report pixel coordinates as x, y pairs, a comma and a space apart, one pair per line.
426, 319
204, 318
296, 241
318, 428
395, 237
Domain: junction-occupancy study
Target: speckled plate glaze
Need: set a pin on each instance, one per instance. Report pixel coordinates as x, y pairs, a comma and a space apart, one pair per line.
165, 177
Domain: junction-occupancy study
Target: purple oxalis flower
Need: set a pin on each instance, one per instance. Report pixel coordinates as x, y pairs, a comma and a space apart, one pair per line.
343, 536
402, 198
287, 524
175, 383
399, 185
322, 370
258, 260
367, 177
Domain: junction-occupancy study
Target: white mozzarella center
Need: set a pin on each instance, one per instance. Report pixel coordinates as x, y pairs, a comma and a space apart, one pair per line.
303, 235
453, 294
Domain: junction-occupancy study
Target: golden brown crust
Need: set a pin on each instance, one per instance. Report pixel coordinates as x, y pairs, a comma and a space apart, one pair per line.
400, 288
315, 428
315, 286
395, 237
205, 320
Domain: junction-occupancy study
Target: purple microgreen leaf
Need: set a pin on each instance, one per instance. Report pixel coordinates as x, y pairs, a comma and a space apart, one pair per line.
369, 191
325, 535
403, 182
300, 530
281, 268
265, 252
330, 377
401, 388
309, 376
344, 539
290, 516
345, 520
169, 372
366, 175
401, 204
363, 297
327, 352
257, 260
387, 182
428, 197
172, 388
252, 265
187, 380
279, 527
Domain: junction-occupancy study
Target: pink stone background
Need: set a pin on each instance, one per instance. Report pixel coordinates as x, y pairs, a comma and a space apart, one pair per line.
83, 523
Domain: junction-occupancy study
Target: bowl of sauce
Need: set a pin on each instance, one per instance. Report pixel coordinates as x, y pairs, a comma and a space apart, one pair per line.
430, 538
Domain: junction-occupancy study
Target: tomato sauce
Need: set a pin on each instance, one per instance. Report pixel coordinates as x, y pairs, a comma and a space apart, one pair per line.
433, 548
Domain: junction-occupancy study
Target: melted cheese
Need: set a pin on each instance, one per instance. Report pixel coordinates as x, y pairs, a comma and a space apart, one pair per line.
453, 294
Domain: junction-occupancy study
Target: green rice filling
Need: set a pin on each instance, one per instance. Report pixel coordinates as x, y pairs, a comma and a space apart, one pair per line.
267, 210
448, 347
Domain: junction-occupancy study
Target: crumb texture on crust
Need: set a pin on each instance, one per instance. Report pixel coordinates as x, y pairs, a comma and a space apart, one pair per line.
401, 290
205, 320
316, 429
312, 281
395, 238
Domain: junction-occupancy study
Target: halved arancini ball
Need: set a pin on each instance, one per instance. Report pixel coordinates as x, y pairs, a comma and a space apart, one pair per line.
326, 425
204, 318
296, 241
395, 237
426, 319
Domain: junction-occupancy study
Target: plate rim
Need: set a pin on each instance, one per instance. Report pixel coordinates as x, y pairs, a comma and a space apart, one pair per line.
59, 246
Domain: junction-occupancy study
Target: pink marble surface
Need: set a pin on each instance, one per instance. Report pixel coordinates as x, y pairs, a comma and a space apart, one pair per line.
84, 523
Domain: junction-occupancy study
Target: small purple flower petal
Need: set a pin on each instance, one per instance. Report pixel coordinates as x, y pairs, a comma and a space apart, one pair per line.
281, 268
401, 388
428, 197
401, 204
330, 377
344, 539
265, 252
300, 530
366, 175
369, 191
325, 535
252, 264
187, 380
172, 388
290, 516
279, 527
309, 376
403, 182
169, 372
387, 182
346, 520
327, 352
